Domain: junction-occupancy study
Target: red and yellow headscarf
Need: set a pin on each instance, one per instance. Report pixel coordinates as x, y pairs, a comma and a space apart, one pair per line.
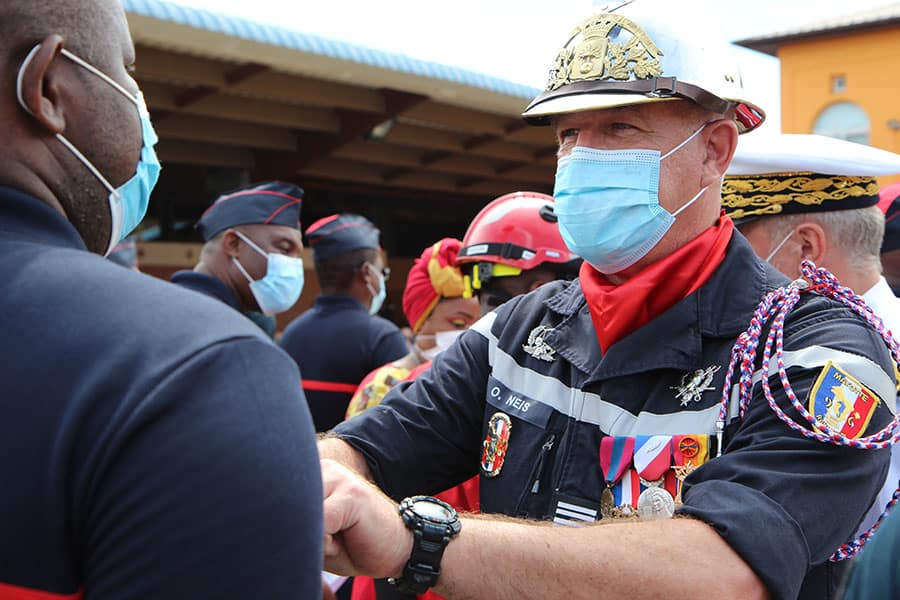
434, 275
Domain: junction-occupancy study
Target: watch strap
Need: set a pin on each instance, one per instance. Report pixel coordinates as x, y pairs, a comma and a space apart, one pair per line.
430, 538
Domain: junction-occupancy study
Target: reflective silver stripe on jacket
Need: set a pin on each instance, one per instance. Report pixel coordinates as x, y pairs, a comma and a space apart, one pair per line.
869, 373
588, 407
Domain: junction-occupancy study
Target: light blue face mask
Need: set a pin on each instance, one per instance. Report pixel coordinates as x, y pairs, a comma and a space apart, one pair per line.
607, 203
282, 285
128, 203
379, 296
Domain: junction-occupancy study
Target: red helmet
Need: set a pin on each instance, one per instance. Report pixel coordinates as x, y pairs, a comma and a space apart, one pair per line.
516, 232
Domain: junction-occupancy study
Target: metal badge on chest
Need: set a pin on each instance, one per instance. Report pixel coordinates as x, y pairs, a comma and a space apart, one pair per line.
537, 347
694, 383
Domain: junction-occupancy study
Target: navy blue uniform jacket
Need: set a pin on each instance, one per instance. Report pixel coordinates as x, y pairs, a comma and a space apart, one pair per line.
337, 343
782, 501
208, 285
154, 443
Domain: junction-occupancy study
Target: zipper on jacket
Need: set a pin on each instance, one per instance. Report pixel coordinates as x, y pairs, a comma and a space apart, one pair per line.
539, 465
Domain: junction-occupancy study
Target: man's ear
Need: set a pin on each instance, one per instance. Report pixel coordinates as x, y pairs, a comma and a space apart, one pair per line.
42, 86
813, 243
230, 243
363, 274
721, 142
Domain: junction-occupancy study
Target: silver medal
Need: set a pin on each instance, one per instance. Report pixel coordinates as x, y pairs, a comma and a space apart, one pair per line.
655, 503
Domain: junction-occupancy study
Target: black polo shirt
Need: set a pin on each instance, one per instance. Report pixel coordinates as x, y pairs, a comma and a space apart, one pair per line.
155, 444
207, 285
337, 343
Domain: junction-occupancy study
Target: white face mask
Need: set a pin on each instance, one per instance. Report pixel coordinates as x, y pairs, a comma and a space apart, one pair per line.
442, 341
378, 296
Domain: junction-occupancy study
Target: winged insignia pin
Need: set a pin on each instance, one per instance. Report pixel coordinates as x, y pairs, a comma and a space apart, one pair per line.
537, 347
693, 384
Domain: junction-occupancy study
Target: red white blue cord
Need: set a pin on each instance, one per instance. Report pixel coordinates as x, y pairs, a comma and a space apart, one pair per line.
778, 304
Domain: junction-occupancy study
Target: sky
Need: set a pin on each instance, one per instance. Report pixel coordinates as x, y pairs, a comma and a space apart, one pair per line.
518, 39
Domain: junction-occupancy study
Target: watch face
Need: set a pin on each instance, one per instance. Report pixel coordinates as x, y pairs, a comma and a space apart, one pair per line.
431, 510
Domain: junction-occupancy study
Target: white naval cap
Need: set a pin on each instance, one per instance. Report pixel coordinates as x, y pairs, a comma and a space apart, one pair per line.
780, 174
765, 152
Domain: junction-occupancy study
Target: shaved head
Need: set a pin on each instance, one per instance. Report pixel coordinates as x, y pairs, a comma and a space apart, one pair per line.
23, 23
63, 98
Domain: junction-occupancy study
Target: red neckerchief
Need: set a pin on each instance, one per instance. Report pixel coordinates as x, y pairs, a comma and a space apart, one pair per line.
618, 310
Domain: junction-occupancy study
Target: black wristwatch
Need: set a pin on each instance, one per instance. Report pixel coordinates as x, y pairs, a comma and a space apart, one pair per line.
433, 523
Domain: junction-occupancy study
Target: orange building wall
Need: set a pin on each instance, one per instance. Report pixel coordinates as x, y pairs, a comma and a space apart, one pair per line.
869, 60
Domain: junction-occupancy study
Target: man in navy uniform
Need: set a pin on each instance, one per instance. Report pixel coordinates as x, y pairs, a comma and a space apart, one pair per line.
155, 444
251, 258
803, 197
341, 339
602, 397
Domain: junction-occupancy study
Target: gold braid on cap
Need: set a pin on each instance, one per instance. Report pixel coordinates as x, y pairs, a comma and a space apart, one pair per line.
787, 193
594, 57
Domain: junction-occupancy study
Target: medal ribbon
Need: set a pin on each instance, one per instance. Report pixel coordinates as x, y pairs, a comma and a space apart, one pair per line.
693, 448
652, 455
615, 457
626, 492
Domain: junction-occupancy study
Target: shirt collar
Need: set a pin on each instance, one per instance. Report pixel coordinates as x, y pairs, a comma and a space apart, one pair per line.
326, 301
24, 218
880, 293
207, 285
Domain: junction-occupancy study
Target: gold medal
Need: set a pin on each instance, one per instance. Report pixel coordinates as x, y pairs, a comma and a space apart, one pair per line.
607, 504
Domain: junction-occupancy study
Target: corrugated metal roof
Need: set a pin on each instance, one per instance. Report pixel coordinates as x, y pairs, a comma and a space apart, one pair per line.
314, 44
869, 17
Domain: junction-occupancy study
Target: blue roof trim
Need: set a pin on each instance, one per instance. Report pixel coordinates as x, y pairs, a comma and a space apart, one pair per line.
305, 42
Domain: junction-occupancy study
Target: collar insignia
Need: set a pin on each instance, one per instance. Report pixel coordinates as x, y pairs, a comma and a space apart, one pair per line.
693, 384
536, 345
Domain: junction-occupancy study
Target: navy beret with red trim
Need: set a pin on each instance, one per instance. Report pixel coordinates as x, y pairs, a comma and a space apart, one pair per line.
270, 203
340, 234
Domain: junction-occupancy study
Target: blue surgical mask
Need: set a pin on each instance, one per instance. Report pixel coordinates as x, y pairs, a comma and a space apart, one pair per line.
128, 203
282, 285
607, 203
377, 296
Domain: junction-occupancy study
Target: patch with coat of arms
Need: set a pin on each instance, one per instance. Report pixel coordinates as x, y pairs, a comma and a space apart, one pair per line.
840, 402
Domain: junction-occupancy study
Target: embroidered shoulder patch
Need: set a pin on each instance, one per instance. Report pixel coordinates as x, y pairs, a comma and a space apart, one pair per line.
839, 401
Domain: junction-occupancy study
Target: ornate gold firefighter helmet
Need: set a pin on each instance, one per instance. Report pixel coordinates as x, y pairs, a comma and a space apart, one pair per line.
636, 52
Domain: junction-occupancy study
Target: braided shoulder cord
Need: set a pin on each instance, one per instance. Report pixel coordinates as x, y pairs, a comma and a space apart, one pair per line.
776, 305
